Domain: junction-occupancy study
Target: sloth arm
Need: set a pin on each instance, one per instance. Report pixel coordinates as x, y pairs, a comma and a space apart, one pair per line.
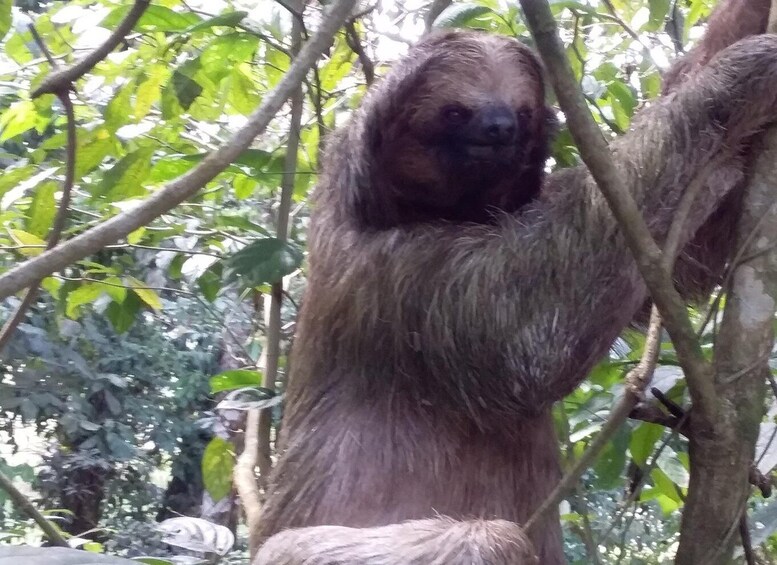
541, 296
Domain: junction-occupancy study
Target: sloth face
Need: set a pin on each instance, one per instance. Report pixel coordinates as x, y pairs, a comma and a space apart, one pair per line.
490, 135
469, 132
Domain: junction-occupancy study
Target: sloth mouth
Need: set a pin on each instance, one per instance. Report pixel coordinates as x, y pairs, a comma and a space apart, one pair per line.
490, 151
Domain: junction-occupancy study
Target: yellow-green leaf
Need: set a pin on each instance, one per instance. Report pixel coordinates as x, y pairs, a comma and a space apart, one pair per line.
150, 90
147, 295
41, 214
20, 117
22, 237
136, 236
84, 294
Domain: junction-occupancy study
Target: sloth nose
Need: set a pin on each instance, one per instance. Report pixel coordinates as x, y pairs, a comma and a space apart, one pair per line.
498, 125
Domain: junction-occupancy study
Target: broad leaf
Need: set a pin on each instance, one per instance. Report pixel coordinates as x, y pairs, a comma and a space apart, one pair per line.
264, 261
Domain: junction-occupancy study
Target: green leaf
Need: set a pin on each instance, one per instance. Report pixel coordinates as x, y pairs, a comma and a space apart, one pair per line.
669, 463
244, 186
43, 209
651, 84
125, 179
229, 19
16, 47
92, 152
242, 89
643, 440
147, 295
22, 116
12, 177
209, 282
218, 461
264, 261
136, 236
123, 315
234, 379
22, 237
459, 15
658, 12
150, 90
52, 286
118, 109
155, 18
6, 19
611, 462
238, 47
181, 90
113, 287
87, 293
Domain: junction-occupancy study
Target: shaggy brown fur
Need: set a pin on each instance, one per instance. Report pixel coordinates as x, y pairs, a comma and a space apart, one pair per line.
700, 266
730, 21
429, 352
439, 541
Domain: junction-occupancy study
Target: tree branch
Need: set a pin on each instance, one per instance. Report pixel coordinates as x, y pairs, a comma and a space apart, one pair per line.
721, 457
24, 504
649, 258
187, 185
62, 80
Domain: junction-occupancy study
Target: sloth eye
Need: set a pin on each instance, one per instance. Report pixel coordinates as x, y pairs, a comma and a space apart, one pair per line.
455, 114
523, 114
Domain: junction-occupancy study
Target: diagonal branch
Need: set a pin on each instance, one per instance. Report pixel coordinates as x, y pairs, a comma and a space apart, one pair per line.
24, 504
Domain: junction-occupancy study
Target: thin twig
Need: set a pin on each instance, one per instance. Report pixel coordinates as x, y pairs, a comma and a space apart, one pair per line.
354, 42
64, 79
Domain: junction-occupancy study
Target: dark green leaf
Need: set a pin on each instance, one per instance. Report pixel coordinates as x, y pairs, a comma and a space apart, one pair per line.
264, 261
186, 89
643, 440
230, 19
123, 315
459, 15
125, 179
611, 462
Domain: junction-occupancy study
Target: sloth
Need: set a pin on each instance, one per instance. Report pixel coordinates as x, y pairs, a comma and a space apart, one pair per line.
455, 294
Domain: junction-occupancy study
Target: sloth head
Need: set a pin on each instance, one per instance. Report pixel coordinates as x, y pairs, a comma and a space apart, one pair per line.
456, 132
